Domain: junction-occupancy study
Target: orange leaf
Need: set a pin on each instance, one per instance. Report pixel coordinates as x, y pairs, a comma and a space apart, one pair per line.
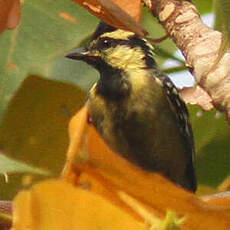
133, 8
124, 14
154, 190
77, 128
9, 14
221, 199
125, 181
57, 205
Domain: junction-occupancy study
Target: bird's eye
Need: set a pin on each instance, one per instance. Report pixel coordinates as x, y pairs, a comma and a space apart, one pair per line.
106, 42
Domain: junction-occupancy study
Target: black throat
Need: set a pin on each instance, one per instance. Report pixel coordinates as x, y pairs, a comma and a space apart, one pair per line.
112, 83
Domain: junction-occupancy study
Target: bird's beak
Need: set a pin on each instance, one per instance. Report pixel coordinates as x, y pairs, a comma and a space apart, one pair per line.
78, 54
84, 55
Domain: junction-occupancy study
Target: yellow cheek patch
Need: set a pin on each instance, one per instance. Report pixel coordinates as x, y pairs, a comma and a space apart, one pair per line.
125, 58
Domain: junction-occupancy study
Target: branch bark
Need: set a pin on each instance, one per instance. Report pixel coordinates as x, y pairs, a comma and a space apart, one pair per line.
199, 44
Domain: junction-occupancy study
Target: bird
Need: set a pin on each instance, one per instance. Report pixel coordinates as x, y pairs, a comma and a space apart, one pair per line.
136, 108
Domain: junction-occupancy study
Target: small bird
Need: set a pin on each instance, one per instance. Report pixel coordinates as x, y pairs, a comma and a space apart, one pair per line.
136, 108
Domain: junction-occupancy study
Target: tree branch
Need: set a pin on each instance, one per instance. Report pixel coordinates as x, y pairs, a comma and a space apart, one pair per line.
199, 44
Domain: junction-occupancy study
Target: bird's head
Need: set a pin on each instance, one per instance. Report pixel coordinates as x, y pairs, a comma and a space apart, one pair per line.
117, 49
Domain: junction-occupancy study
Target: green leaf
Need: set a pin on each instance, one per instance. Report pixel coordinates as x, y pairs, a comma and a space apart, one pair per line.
222, 10
8, 165
35, 127
74, 72
165, 54
48, 30
212, 135
222, 23
203, 6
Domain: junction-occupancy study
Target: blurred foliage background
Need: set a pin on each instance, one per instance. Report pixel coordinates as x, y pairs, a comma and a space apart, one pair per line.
40, 90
